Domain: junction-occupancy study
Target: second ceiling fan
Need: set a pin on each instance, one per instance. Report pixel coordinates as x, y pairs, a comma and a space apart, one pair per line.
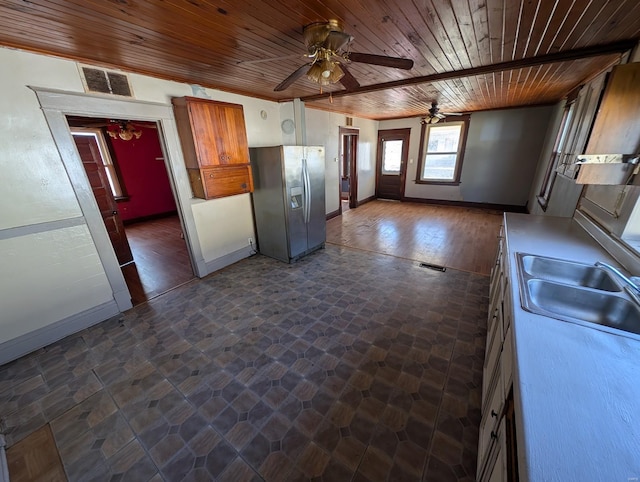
328, 50
434, 115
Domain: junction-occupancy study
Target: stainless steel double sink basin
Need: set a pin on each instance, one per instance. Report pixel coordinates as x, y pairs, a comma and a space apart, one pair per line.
576, 292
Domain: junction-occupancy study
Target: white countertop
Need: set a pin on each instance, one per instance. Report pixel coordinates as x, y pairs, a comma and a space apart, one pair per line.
576, 388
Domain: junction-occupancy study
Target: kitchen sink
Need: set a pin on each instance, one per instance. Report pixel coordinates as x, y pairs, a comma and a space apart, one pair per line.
576, 292
568, 272
585, 305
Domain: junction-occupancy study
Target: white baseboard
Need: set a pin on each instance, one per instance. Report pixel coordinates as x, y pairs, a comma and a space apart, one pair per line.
29, 342
228, 259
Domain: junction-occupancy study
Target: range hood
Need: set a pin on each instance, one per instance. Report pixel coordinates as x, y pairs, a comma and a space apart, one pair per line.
607, 168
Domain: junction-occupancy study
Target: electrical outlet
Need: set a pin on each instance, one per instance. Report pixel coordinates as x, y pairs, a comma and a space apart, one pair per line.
250, 240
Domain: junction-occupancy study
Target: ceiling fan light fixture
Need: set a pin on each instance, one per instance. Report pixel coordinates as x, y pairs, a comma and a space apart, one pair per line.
336, 73
314, 73
325, 72
124, 130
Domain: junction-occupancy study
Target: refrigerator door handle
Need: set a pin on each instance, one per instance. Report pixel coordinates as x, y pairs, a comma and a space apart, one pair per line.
307, 192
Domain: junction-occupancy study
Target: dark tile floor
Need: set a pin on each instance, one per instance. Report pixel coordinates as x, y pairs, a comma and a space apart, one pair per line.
347, 365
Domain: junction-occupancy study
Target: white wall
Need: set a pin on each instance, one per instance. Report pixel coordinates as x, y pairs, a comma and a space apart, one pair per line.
366, 159
46, 274
500, 158
323, 130
49, 262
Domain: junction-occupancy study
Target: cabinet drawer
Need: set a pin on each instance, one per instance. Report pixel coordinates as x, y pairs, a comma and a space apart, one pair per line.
221, 181
491, 416
492, 357
496, 470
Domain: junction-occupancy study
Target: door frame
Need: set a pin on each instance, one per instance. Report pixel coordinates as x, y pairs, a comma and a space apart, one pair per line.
353, 171
56, 105
394, 134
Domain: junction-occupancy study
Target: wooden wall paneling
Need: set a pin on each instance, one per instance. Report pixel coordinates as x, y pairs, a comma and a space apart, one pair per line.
449, 37
577, 21
556, 20
465, 23
216, 44
600, 17
629, 29
421, 32
377, 22
527, 24
545, 15
141, 56
427, 55
129, 28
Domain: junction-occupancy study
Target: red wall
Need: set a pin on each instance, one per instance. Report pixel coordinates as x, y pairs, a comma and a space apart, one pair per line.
144, 175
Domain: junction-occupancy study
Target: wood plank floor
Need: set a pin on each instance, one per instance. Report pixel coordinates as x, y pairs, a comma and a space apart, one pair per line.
161, 260
454, 237
35, 458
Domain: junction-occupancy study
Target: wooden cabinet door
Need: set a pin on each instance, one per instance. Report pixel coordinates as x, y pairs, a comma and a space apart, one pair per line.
219, 133
616, 129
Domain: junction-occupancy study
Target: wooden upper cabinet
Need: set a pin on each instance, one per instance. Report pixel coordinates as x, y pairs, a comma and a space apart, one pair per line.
215, 130
214, 138
616, 129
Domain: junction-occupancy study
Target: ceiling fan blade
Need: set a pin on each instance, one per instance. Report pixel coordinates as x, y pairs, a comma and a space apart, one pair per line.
270, 59
292, 78
348, 80
451, 113
336, 40
395, 62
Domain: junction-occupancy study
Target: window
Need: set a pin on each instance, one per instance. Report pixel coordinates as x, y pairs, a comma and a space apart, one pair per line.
107, 162
556, 155
441, 151
392, 156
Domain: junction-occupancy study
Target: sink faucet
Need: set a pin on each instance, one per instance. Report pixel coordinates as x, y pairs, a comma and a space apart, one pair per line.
631, 285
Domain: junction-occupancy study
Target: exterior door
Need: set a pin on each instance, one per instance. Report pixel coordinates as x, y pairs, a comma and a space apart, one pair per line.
393, 149
97, 174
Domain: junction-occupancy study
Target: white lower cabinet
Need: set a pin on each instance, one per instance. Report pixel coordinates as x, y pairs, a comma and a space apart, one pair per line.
497, 377
498, 472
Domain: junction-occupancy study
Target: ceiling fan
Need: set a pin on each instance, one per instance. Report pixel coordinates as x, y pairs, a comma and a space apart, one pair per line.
328, 51
435, 115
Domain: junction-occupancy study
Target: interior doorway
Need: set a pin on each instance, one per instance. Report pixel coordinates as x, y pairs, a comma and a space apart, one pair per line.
391, 163
124, 163
348, 189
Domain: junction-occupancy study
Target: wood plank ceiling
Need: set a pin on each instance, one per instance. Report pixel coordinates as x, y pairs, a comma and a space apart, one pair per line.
216, 44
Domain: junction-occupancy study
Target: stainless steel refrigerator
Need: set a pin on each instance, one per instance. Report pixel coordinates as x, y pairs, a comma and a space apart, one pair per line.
288, 200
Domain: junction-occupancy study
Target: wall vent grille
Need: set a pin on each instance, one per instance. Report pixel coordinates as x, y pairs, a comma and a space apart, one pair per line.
106, 82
